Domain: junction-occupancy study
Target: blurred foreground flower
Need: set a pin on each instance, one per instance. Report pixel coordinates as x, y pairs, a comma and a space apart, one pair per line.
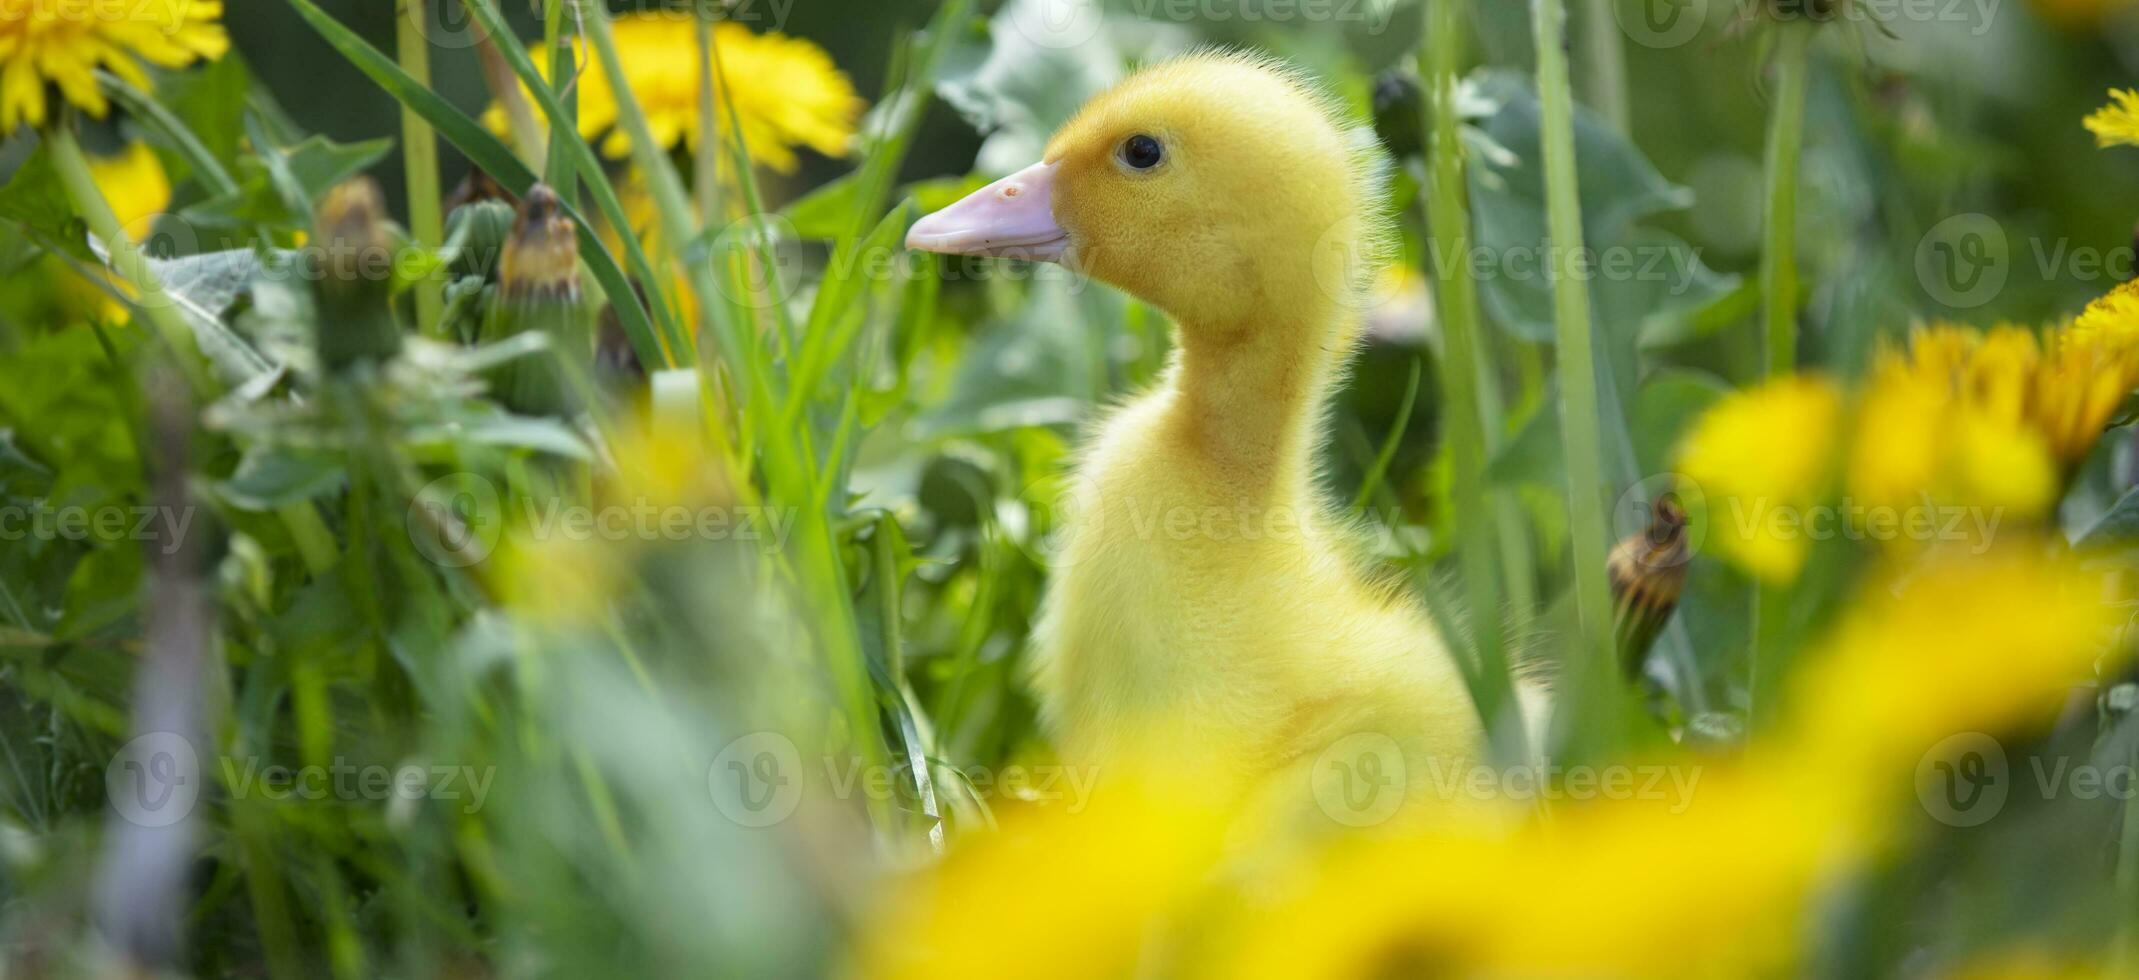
786, 91
1761, 452
64, 43
1720, 876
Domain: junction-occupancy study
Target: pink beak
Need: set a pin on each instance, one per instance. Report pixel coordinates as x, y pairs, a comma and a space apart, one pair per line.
1011, 218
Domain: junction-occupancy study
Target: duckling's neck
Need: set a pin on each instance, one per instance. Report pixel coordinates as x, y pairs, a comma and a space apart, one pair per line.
1248, 396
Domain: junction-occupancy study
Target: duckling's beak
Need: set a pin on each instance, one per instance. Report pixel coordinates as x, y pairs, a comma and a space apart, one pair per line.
1011, 218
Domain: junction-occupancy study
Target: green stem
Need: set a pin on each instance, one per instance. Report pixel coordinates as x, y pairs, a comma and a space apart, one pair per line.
558, 171
126, 258
1576, 365
1605, 64
706, 178
1778, 255
419, 156
1448, 214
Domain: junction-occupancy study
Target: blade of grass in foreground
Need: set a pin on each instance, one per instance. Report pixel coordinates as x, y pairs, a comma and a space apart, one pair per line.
419, 156
1457, 307
1778, 292
793, 477
1581, 438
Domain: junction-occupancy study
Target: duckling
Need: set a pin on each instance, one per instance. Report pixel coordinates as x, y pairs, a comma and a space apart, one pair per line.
1208, 604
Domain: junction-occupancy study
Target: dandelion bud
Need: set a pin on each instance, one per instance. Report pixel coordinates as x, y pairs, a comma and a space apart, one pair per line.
1648, 570
538, 289
479, 228
351, 265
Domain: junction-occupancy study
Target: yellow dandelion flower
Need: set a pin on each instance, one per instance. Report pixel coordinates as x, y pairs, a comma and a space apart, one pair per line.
786, 91
1952, 425
1760, 457
1989, 643
63, 42
2062, 387
2117, 123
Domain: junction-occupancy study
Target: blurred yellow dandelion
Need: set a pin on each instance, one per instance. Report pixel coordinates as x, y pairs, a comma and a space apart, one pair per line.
786, 91
2118, 122
64, 42
1757, 456
1966, 644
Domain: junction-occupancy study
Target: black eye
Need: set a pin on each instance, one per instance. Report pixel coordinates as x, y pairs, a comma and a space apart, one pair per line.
1141, 152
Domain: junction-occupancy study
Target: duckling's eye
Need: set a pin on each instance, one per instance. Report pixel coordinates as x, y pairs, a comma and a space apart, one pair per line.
1142, 152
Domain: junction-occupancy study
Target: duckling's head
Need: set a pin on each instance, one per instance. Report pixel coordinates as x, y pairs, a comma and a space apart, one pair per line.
1218, 187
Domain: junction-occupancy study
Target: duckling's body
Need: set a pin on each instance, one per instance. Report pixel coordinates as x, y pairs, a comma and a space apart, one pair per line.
1207, 607
1206, 603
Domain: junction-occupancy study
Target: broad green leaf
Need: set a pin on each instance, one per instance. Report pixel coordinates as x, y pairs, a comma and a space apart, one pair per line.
1644, 281
270, 477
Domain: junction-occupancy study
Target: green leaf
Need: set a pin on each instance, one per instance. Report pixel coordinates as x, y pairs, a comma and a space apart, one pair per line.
2115, 529
36, 198
277, 184
1646, 282
204, 291
270, 477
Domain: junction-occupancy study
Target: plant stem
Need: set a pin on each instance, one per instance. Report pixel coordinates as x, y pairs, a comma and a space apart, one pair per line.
557, 172
1778, 254
1456, 298
706, 178
1605, 64
1576, 365
1778, 292
419, 157
126, 257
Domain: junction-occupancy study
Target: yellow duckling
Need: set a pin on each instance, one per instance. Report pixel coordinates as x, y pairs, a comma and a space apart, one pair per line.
1208, 606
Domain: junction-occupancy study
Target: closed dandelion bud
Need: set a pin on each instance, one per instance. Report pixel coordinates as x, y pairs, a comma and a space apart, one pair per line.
1648, 571
479, 228
538, 289
351, 265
